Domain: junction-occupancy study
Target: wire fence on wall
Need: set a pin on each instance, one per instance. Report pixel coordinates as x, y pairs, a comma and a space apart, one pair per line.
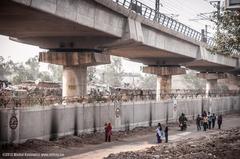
9, 100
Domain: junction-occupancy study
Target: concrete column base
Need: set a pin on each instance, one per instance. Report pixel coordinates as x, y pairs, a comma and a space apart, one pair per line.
232, 82
212, 81
74, 81
164, 85
75, 68
164, 79
211, 85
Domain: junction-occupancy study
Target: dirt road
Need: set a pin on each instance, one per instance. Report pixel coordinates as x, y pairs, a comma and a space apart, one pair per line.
94, 147
149, 140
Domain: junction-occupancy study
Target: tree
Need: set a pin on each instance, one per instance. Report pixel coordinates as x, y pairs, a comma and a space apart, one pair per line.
113, 73
6, 67
227, 38
56, 72
30, 70
148, 81
20, 74
33, 66
92, 74
193, 82
45, 76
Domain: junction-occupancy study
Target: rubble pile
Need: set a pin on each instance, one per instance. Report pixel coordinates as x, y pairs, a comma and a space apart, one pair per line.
222, 145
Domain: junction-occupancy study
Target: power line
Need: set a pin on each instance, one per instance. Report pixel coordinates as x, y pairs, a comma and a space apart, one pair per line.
179, 5
174, 7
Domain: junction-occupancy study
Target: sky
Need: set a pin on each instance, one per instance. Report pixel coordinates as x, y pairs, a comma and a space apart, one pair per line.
184, 11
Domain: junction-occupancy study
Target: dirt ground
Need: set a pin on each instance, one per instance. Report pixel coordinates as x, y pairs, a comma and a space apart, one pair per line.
62, 144
210, 144
221, 145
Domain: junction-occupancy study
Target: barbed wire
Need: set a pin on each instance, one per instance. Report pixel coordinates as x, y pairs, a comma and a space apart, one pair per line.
8, 101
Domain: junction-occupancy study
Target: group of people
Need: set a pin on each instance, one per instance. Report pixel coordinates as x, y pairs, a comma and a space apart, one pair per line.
108, 132
208, 120
161, 134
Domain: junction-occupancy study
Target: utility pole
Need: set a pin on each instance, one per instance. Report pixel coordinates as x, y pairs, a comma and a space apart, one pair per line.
204, 33
206, 30
157, 9
217, 4
203, 16
157, 6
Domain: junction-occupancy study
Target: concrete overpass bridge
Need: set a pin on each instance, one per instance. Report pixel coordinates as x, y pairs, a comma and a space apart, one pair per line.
81, 33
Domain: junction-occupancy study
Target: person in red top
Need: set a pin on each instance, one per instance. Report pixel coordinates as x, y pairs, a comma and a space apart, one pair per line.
109, 132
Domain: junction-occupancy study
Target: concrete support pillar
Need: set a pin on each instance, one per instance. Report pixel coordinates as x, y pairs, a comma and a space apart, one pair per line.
232, 82
74, 68
164, 86
158, 89
164, 79
211, 85
74, 81
212, 81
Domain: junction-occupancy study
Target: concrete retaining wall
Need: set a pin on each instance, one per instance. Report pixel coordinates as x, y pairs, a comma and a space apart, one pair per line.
54, 121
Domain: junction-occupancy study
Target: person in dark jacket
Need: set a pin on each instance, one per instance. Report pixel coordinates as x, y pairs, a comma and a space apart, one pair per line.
198, 122
183, 122
166, 134
213, 120
219, 120
204, 113
106, 133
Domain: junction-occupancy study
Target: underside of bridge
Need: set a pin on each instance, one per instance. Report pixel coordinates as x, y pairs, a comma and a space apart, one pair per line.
35, 27
61, 35
31, 26
206, 66
150, 56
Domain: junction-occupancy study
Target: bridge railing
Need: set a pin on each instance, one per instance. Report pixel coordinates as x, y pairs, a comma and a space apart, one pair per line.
164, 20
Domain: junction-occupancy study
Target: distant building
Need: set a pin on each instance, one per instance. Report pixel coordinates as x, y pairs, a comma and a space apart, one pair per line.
232, 4
44, 84
47, 88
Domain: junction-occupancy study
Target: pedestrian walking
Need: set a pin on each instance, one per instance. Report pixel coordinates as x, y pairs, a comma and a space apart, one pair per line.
201, 122
109, 132
213, 120
198, 122
205, 123
209, 120
204, 113
159, 133
219, 120
166, 134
